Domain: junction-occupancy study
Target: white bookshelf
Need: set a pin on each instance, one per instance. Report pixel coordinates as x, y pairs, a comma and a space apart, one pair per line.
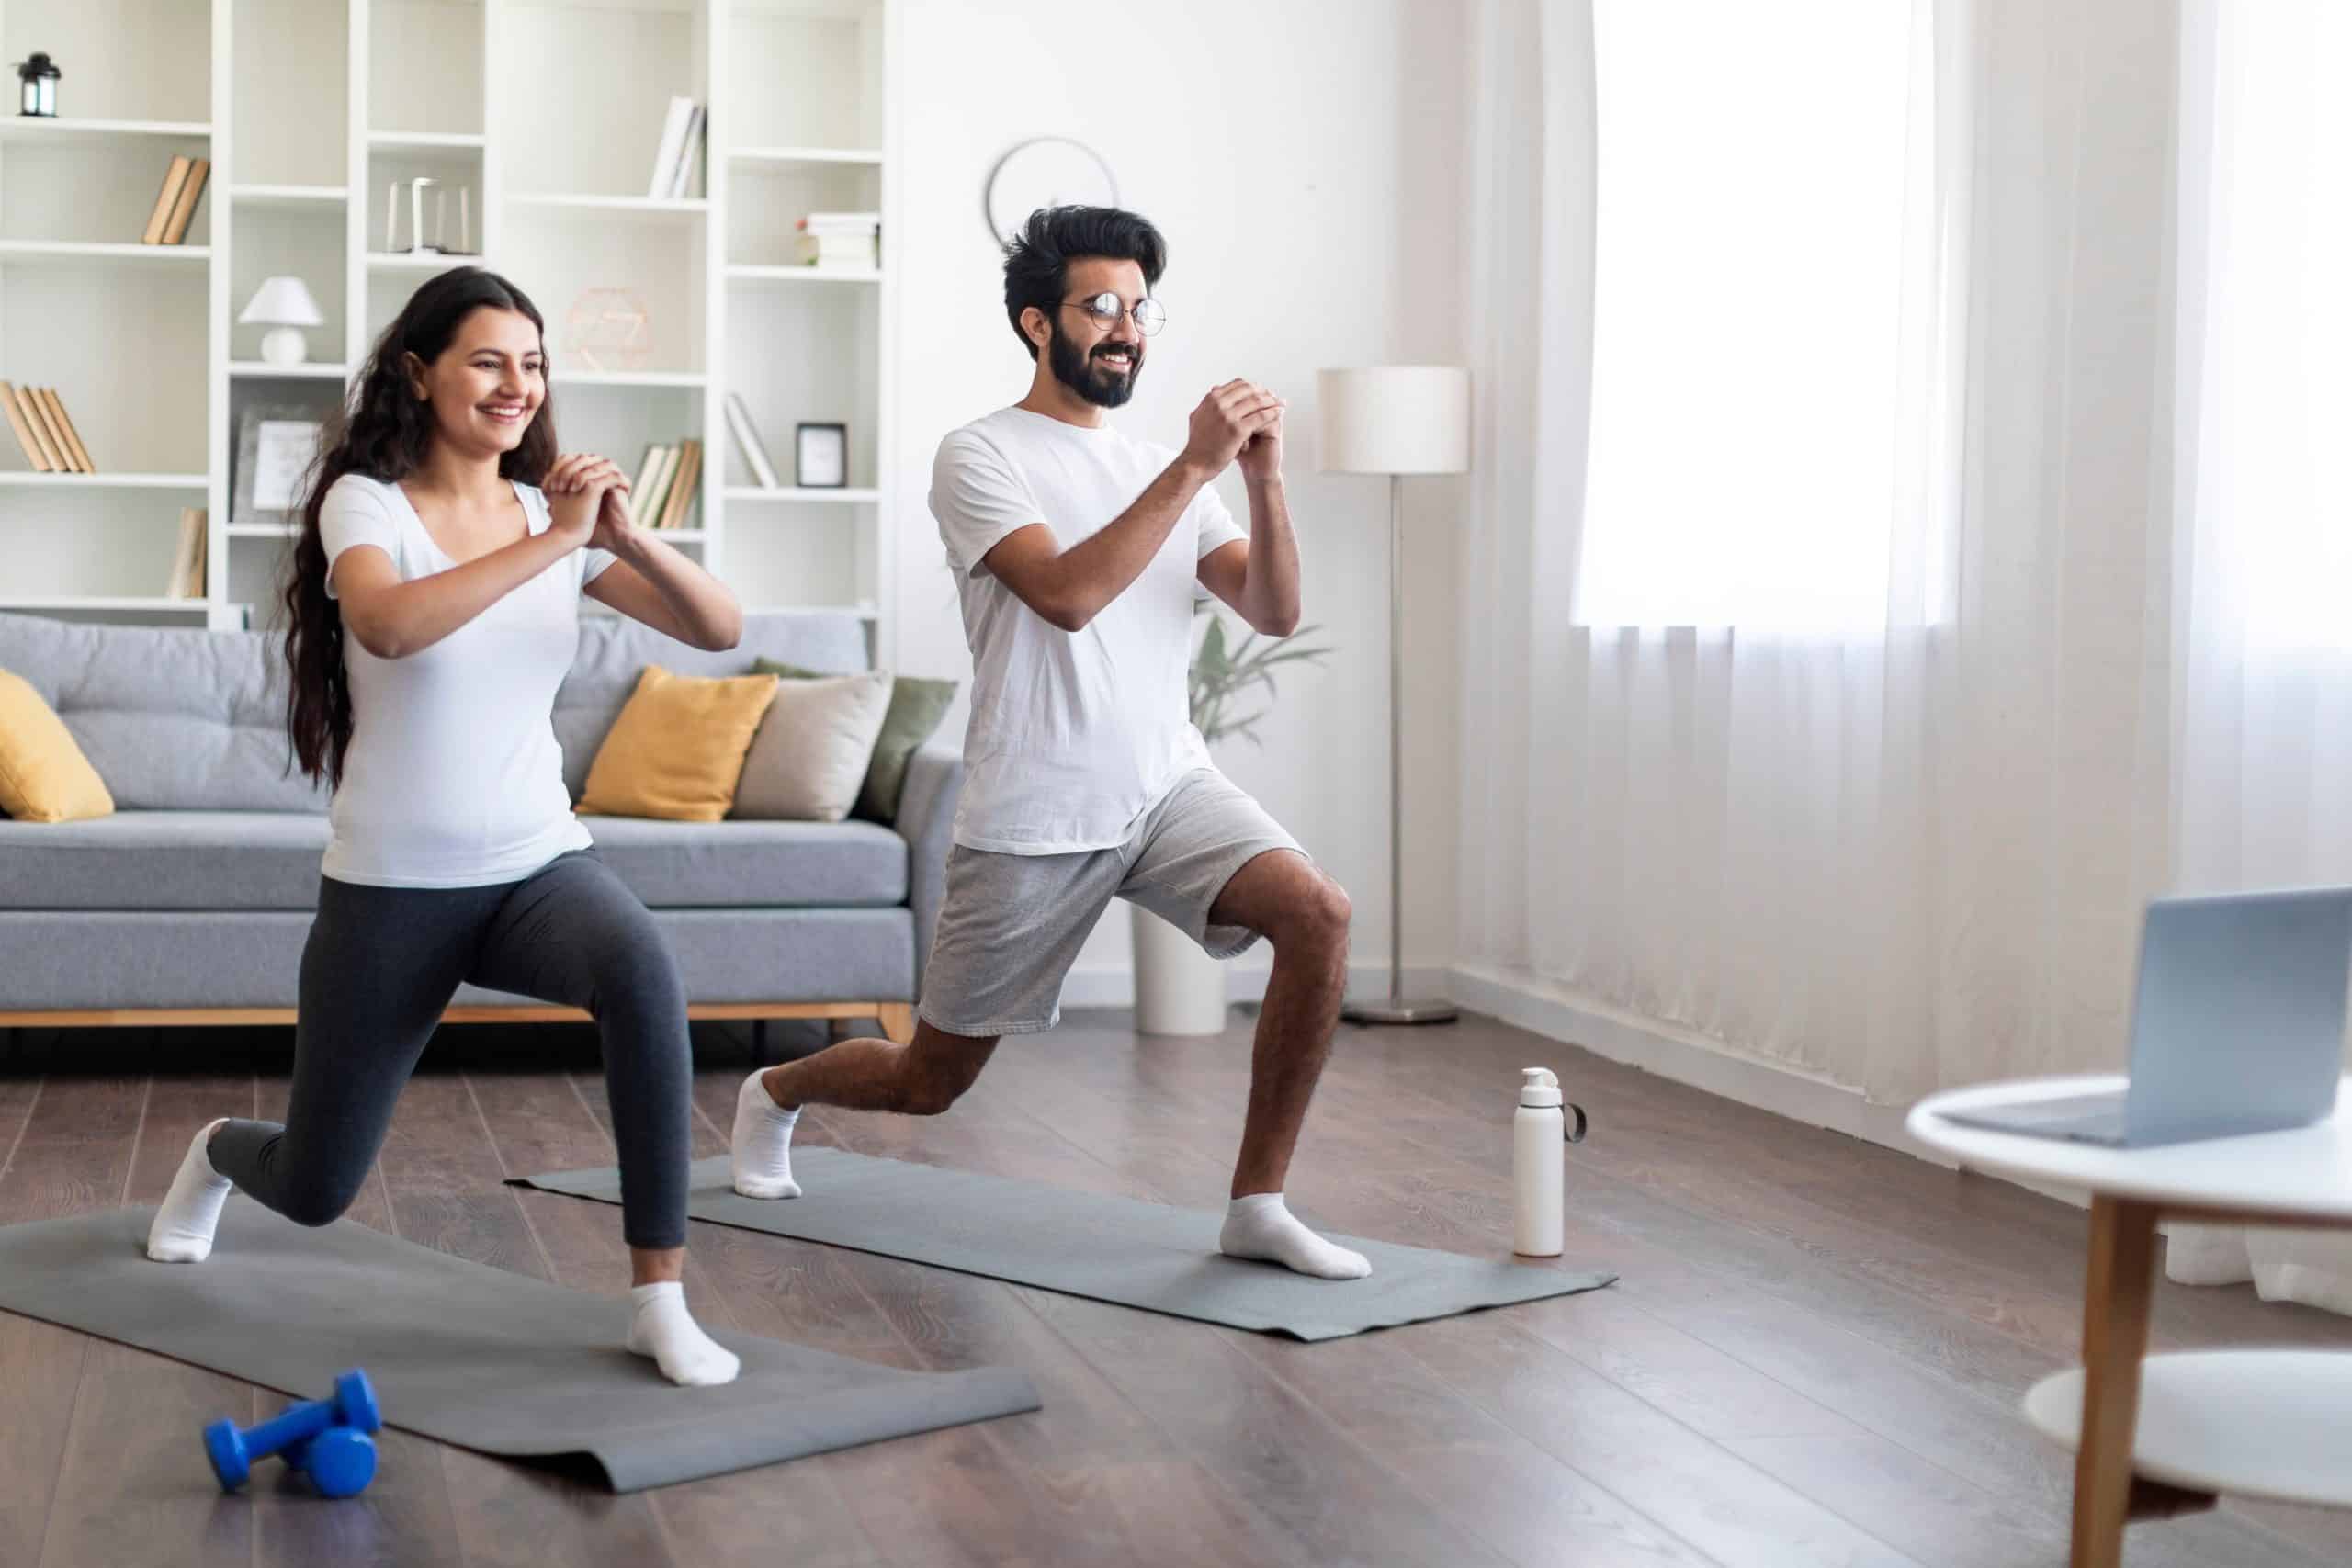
307, 109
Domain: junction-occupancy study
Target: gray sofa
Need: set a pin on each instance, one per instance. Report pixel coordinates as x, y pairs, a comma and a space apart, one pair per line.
190, 904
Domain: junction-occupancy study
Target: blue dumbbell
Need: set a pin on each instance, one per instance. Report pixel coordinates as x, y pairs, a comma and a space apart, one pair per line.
303, 1432
340, 1462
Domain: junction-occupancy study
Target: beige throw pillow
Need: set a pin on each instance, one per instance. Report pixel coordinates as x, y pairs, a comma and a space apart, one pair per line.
808, 759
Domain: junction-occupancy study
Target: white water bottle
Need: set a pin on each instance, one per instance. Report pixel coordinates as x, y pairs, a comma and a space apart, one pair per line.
1538, 1170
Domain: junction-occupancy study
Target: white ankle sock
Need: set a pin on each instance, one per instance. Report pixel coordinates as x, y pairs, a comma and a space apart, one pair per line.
660, 1326
763, 1143
191, 1210
1262, 1226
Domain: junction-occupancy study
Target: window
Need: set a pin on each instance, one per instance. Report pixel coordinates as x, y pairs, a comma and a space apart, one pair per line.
1748, 384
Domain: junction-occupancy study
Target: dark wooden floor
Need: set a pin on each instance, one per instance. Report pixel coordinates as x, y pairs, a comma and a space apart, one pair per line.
1814, 1357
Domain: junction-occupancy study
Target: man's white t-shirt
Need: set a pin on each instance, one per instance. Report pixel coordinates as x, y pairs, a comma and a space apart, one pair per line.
454, 778
1074, 735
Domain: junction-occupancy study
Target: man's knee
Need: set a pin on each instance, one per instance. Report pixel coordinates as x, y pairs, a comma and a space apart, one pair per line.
937, 1075
1317, 921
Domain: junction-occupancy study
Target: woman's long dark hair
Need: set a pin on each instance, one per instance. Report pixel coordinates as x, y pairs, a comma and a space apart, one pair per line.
384, 433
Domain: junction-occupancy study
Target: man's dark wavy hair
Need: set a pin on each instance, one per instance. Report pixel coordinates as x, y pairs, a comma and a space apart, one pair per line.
1037, 261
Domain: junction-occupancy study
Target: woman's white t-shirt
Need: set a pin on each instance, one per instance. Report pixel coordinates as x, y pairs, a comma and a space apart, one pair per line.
454, 778
1074, 735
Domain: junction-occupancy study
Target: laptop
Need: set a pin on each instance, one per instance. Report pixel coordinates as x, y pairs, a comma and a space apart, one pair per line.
2237, 1026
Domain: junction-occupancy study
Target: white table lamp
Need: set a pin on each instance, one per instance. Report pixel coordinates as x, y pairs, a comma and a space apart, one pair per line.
284, 305
1395, 420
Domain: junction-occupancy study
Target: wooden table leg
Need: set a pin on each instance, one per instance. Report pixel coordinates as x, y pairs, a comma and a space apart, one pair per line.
2115, 1336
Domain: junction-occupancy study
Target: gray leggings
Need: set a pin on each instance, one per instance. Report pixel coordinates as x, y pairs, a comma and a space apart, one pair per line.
380, 964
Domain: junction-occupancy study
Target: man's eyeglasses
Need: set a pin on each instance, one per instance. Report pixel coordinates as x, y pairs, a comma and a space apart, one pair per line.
1105, 310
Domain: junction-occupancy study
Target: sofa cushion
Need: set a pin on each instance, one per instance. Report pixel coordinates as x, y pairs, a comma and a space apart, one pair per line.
43, 775
704, 865
677, 750
173, 719
268, 860
164, 860
614, 652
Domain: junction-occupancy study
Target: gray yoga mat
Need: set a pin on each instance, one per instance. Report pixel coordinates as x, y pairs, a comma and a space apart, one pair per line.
1083, 1244
470, 1355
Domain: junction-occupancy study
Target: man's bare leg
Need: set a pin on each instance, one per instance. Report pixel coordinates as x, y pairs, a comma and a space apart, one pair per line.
1304, 915
922, 1078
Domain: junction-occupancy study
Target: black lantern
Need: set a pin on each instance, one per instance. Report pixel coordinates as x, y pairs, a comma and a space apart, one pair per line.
36, 78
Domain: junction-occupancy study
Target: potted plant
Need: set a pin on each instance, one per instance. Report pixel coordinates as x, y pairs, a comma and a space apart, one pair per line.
1178, 989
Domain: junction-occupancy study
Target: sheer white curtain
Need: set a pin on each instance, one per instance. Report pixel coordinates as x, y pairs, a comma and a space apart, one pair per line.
2263, 496
1895, 839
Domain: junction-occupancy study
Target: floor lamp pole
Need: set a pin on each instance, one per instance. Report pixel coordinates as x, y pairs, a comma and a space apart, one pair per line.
1396, 1009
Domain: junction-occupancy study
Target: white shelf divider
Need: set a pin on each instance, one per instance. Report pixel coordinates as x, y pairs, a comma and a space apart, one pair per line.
39, 127
102, 250
743, 273
618, 206
107, 601
800, 494
630, 379
872, 157
309, 370
295, 196
424, 141
104, 481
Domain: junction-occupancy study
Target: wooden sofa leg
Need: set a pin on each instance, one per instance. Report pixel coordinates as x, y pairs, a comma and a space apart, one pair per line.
897, 1020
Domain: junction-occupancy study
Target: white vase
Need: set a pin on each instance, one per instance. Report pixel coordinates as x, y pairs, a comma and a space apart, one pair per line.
1178, 989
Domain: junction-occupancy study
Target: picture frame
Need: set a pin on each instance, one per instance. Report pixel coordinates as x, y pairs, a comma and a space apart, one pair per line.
276, 444
821, 456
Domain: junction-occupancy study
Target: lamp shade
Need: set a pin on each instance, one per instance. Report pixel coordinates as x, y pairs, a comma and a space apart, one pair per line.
1395, 419
281, 302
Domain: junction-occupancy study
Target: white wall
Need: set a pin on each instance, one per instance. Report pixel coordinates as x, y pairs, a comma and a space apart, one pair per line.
1301, 159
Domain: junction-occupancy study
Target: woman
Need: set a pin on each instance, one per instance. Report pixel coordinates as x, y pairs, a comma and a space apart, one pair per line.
432, 610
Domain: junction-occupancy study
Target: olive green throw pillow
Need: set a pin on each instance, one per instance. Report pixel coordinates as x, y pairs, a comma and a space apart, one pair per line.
916, 707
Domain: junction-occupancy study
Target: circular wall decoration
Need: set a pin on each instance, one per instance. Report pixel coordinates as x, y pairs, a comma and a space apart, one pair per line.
1046, 171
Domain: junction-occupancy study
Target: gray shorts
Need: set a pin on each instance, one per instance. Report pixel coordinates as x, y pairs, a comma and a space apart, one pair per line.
1010, 926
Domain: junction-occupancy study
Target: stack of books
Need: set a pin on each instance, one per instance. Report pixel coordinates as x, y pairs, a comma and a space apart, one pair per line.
663, 497
45, 431
188, 566
841, 241
176, 203
673, 165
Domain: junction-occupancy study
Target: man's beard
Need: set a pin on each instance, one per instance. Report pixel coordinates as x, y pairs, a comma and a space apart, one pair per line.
1088, 377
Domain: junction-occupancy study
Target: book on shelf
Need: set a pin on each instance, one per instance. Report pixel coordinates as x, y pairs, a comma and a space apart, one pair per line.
45, 422
646, 495
747, 442
637, 487
679, 504
675, 156
189, 562
45, 432
28, 434
175, 177
184, 210
682, 182
61, 423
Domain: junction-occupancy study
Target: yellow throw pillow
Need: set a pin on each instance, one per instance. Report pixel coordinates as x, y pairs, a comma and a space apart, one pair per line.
677, 750
43, 775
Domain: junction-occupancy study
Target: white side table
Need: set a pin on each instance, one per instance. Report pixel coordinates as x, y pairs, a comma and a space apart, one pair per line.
2262, 1423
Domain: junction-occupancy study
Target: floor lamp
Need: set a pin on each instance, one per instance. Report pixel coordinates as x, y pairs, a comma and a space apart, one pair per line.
1395, 420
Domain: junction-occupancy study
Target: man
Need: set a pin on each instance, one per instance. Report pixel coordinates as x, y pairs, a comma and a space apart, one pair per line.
1077, 550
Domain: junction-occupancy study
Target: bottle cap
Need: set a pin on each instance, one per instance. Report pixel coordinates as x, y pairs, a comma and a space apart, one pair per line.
1538, 1088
